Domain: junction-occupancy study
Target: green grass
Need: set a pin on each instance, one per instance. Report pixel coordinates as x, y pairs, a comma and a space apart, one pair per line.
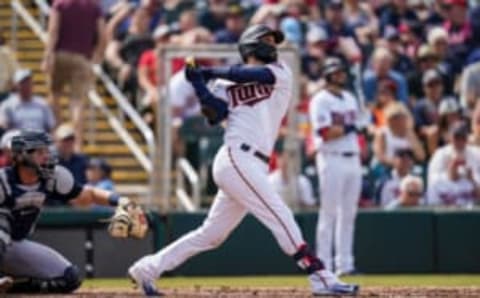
296, 281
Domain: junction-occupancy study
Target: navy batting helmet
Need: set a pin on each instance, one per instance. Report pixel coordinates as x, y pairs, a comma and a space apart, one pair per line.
250, 43
25, 143
332, 65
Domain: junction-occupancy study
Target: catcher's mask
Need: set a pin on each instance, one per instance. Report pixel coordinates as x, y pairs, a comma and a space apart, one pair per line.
25, 145
250, 43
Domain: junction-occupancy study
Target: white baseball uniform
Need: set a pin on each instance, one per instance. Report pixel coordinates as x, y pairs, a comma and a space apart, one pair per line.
444, 191
340, 174
255, 114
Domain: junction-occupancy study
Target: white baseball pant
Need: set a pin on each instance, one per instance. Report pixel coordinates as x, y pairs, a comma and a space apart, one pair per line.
340, 186
244, 187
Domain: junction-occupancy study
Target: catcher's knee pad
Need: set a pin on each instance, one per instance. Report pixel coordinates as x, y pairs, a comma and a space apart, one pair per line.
70, 281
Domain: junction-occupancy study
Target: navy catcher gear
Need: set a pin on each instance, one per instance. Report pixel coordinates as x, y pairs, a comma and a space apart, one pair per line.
250, 43
26, 143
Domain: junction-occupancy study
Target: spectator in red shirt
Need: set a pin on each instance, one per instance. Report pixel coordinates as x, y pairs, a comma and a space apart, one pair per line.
147, 67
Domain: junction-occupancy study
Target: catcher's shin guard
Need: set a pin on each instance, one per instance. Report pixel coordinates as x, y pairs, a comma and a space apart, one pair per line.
67, 283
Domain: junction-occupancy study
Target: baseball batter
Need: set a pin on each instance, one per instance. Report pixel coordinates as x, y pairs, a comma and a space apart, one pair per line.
333, 113
27, 266
253, 98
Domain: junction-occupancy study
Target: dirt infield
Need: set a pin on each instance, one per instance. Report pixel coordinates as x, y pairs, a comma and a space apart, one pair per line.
230, 292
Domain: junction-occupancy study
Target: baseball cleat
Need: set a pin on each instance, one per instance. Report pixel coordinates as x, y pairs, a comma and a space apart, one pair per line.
5, 284
325, 283
143, 281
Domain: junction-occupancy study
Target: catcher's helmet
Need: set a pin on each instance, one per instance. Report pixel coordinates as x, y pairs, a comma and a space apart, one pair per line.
250, 43
332, 65
25, 143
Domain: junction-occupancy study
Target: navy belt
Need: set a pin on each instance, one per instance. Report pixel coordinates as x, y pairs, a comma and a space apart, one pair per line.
247, 148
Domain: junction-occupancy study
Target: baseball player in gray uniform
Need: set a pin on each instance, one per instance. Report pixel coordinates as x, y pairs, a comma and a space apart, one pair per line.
28, 266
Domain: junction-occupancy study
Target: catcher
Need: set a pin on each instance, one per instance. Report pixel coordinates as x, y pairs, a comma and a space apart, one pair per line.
30, 267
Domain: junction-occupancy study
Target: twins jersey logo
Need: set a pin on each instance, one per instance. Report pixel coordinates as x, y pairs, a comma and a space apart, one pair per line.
249, 94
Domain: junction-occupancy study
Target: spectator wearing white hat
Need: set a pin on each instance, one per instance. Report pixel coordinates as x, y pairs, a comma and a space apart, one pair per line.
314, 54
23, 110
449, 112
437, 39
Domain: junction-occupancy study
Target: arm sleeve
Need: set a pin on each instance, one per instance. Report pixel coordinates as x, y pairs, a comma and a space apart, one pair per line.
437, 168
243, 74
66, 188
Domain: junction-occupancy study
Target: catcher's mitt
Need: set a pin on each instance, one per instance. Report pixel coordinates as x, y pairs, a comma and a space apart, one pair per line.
129, 220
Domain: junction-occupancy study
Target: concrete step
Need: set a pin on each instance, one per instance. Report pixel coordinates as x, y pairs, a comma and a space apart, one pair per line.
109, 150
123, 176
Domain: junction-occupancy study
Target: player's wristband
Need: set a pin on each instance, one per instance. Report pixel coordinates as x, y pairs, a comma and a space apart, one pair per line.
113, 199
349, 128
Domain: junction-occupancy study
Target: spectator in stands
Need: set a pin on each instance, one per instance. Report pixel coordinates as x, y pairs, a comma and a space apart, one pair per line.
396, 14
386, 92
359, 16
474, 138
449, 113
458, 26
76, 38
470, 84
148, 74
235, 23
212, 16
6, 147
397, 134
172, 9
313, 56
281, 179
65, 135
425, 60
23, 110
387, 189
438, 41
99, 174
381, 68
426, 111
454, 171
9, 66
410, 193
401, 62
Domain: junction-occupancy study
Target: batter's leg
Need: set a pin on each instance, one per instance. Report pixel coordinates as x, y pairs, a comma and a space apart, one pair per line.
330, 191
225, 214
346, 213
37, 268
247, 182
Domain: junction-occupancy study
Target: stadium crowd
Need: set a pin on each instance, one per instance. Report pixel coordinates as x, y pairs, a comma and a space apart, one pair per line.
419, 80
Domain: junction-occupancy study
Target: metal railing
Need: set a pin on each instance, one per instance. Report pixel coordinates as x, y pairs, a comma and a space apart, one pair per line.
121, 100
185, 170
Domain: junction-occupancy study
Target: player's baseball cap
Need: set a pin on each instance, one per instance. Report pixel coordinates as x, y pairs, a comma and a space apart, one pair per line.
431, 75
64, 131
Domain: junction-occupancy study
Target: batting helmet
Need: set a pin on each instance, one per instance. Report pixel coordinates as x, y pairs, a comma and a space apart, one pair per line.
332, 65
250, 43
25, 143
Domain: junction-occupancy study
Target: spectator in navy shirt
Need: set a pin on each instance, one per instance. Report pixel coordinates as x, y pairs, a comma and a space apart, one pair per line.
75, 162
234, 25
